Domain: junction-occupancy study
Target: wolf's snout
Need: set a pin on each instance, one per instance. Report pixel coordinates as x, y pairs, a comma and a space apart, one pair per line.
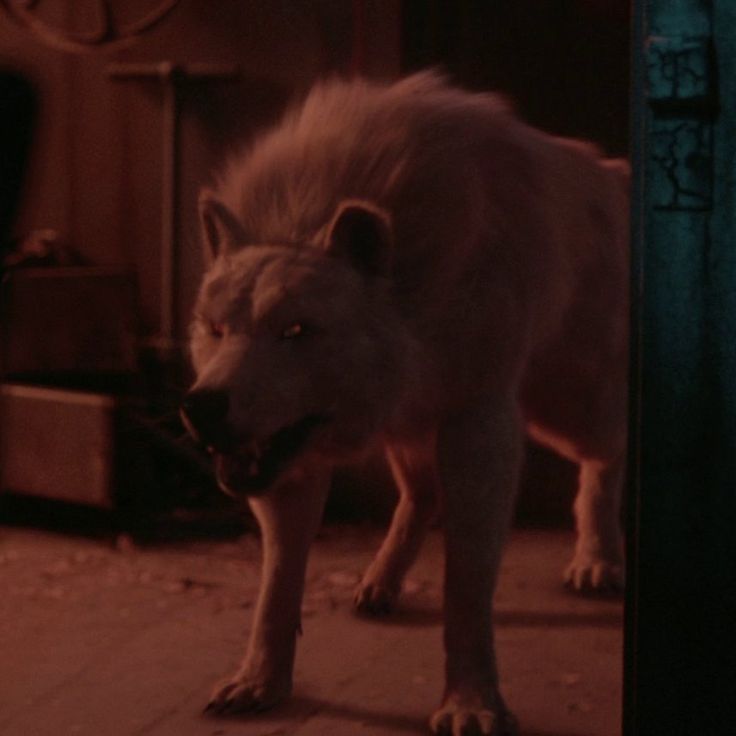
204, 412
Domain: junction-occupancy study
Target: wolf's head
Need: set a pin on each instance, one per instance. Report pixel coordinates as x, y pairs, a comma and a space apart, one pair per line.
298, 349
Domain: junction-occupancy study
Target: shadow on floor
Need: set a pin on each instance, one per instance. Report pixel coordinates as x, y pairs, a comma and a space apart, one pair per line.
549, 619
429, 616
301, 708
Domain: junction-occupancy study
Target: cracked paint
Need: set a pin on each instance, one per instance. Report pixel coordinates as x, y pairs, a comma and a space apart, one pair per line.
679, 82
681, 164
678, 68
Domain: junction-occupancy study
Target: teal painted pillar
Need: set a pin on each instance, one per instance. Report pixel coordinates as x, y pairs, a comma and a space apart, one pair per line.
681, 606
722, 253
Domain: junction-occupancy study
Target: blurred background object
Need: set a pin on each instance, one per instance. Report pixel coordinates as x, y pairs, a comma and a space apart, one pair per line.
102, 248
18, 107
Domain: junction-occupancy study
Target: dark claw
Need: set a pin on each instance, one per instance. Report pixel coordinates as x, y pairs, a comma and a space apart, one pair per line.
374, 602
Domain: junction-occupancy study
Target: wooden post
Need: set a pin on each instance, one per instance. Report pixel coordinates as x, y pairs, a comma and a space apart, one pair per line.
170, 76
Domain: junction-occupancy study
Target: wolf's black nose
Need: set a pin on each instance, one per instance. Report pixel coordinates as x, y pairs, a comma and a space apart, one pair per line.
205, 413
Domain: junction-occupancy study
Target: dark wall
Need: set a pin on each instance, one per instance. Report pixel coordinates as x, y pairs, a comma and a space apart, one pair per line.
564, 62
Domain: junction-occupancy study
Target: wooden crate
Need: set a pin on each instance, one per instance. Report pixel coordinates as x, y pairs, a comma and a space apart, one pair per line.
58, 444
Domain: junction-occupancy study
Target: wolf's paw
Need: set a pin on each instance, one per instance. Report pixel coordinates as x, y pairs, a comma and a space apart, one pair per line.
459, 717
242, 694
373, 599
590, 574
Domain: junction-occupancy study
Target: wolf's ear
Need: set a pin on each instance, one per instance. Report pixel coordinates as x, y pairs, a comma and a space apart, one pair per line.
361, 232
221, 229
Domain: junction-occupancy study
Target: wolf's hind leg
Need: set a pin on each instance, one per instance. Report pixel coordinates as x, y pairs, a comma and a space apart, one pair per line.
416, 478
597, 563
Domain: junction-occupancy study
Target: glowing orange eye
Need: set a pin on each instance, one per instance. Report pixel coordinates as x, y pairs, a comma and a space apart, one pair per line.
292, 331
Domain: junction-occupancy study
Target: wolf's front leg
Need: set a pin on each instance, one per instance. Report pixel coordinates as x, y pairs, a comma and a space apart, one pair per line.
479, 459
289, 517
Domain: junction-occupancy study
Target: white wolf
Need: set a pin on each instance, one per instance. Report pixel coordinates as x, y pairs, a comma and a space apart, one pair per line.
410, 266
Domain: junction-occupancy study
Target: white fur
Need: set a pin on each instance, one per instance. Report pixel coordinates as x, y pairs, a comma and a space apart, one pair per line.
492, 298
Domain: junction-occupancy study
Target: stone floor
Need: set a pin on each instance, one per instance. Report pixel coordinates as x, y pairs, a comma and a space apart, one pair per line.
114, 639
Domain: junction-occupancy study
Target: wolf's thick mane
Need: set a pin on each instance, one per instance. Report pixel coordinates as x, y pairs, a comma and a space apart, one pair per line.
347, 139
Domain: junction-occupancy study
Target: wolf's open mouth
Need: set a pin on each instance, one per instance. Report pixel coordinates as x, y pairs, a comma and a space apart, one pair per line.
252, 468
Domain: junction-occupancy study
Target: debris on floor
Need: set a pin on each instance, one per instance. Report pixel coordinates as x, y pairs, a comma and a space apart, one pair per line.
124, 639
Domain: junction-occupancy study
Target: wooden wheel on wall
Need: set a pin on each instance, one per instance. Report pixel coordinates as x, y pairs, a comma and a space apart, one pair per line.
104, 28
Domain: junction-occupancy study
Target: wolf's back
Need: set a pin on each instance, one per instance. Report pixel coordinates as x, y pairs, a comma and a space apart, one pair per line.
362, 140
